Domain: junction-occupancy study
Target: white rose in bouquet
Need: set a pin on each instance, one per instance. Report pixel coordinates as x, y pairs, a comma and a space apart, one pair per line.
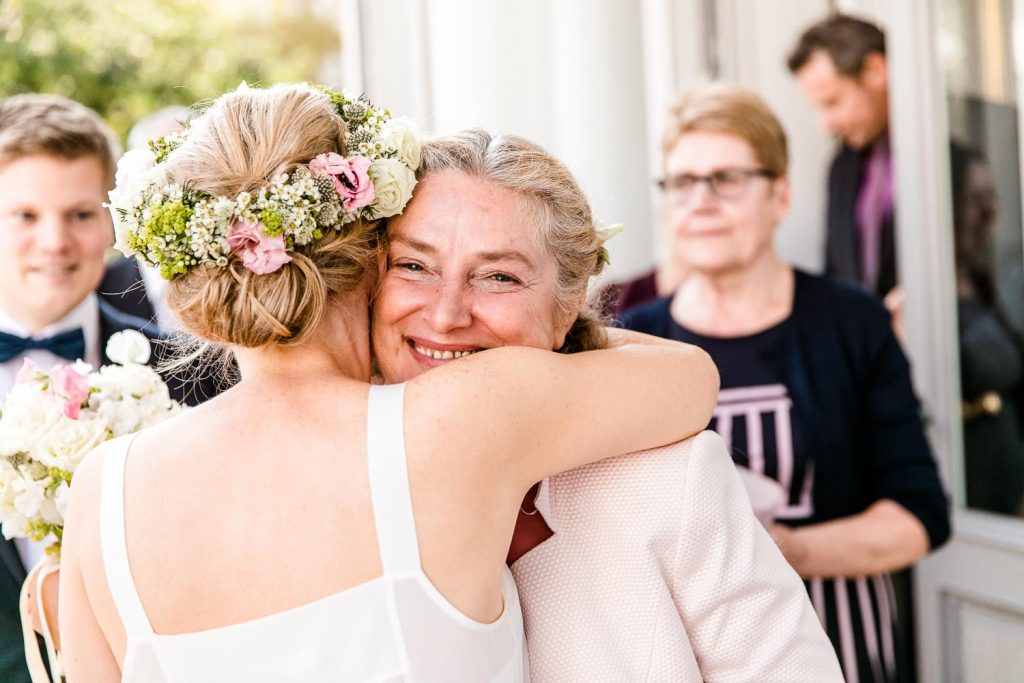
52, 420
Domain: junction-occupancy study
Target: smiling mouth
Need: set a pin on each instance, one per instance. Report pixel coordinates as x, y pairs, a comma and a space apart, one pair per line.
440, 354
53, 271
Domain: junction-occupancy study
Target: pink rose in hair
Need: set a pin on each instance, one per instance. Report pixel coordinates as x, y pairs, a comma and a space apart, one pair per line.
68, 384
258, 251
350, 177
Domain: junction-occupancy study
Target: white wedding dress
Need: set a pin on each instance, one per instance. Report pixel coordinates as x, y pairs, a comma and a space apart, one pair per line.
396, 628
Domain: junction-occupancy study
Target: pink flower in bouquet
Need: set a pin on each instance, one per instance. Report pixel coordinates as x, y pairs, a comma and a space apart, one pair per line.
71, 386
259, 252
351, 178
28, 371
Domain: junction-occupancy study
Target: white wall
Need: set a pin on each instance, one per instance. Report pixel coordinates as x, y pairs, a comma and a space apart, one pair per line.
755, 38
590, 80
566, 74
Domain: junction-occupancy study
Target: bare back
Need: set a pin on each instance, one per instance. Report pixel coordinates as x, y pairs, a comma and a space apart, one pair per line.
253, 505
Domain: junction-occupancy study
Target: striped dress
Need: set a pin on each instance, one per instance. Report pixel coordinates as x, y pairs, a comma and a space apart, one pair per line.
755, 418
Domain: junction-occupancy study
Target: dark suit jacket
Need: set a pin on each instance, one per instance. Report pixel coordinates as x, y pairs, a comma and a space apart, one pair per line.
123, 287
842, 249
123, 293
842, 246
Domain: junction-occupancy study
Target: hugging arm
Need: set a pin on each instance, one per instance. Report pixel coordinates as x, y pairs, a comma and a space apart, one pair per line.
746, 612
556, 412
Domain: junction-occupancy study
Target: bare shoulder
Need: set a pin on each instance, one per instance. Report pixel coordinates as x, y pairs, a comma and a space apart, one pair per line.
88, 480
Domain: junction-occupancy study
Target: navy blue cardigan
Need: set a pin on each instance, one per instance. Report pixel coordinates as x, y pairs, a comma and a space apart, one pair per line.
852, 396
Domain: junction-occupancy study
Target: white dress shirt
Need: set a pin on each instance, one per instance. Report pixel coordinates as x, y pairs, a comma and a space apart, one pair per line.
86, 316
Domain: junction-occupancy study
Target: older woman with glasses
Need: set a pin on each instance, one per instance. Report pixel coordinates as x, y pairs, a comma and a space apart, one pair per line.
816, 392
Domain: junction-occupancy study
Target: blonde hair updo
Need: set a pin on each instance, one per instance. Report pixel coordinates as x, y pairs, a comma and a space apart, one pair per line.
239, 143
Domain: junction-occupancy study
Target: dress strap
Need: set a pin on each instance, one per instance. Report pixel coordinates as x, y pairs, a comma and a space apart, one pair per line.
389, 480
114, 543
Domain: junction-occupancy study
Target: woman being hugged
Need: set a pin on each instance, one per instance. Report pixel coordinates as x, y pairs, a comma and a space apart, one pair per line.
304, 525
648, 566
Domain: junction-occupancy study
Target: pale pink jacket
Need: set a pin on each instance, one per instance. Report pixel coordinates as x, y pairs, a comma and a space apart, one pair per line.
658, 571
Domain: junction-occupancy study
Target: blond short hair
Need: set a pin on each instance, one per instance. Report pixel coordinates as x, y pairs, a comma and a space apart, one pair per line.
238, 144
50, 125
735, 111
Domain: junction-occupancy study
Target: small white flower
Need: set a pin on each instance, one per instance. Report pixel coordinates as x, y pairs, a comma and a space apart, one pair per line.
128, 347
60, 498
29, 495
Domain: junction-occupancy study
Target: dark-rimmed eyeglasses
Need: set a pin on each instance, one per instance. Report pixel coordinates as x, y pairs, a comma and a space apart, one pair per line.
726, 183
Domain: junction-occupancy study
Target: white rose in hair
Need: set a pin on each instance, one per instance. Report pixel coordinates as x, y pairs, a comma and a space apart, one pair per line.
132, 165
402, 137
393, 182
133, 176
128, 347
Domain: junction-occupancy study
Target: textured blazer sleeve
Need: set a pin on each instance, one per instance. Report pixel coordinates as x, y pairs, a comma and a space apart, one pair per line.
746, 611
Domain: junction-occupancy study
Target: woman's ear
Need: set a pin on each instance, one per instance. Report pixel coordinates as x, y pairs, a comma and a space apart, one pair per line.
562, 330
782, 195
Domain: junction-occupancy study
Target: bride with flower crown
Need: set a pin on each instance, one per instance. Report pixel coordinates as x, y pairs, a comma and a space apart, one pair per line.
305, 525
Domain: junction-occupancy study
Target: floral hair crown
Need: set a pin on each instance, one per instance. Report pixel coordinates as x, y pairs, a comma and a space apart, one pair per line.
175, 227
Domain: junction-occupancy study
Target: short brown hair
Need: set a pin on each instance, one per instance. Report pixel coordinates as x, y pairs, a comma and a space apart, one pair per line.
728, 109
55, 126
846, 40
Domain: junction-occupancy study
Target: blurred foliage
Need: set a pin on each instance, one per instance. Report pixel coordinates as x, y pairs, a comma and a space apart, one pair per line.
128, 58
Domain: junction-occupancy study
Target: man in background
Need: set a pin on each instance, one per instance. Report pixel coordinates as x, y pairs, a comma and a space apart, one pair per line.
840, 63
57, 161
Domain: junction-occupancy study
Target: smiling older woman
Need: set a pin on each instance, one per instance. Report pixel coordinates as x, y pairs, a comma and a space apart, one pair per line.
657, 570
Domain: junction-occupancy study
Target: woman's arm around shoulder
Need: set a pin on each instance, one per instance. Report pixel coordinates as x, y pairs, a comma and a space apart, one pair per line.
547, 412
745, 610
86, 653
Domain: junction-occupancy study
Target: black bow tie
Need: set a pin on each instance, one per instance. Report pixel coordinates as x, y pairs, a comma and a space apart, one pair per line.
69, 345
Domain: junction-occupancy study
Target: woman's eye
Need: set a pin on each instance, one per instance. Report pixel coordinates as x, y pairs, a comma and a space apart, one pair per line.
24, 216
407, 266
503, 279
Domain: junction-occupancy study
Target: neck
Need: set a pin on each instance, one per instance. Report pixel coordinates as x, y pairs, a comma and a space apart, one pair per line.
338, 348
736, 302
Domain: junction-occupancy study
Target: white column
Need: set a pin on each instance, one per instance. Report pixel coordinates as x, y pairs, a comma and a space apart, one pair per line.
568, 75
599, 117
755, 39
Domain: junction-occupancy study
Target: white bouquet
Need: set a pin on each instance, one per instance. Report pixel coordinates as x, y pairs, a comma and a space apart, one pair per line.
51, 420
